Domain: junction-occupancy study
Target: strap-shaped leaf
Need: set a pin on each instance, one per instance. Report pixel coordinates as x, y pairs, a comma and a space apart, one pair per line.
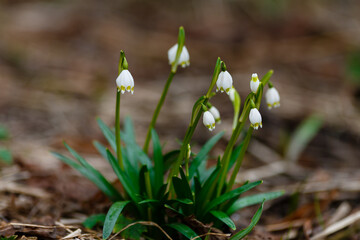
252, 200
111, 217
158, 161
202, 155
235, 154
205, 190
91, 221
255, 219
108, 133
93, 176
229, 195
184, 230
130, 188
224, 218
101, 149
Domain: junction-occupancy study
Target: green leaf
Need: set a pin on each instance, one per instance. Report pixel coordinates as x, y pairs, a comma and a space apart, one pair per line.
185, 201
224, 218
93, 176
202, 155
303, 134
183, 229
91, 221
111, 217
108, 133
4, 134
158, 161
13, 237
201, 198
235, 154
255, 219
134, 232
129, 129
101, 149
5, 156
173, 209
170, 158
252, 200
130, 187
229, 195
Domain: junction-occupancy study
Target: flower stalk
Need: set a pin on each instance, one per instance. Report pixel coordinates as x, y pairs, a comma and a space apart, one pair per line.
122, 60
174, 65
196, 115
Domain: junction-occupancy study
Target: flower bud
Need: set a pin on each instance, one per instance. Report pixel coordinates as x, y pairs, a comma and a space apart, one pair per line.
254, 83
255, 118
272, 98
184, 59
216, 114
209, 120
125, 82
224, 82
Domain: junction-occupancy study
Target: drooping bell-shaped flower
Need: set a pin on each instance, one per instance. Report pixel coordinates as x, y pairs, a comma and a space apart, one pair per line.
255, 118
216, 114
232, 94
254, 83
209, 120
125, 82
184, 59
224, 82
272, 98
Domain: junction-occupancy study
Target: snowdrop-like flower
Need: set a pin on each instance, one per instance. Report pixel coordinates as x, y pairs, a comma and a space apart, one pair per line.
184, 59
216, 114
224, 82
125, 82
254, 83
272, 98
232, 94
255, 118
209, 120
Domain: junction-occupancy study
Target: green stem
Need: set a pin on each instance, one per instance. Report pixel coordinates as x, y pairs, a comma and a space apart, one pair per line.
240, 158
117, 131
148, 190
157, 111
227, 154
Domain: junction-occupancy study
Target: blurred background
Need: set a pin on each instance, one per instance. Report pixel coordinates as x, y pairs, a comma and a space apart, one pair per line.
58, 65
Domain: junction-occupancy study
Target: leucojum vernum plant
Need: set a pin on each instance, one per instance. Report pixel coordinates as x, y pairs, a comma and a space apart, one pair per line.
174, 195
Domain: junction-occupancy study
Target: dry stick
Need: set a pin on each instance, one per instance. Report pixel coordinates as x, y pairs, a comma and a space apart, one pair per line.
214, 234
143, 223
338, 226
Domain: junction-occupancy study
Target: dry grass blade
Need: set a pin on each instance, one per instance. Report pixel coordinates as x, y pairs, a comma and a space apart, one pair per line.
338, 226
147, 223
212, 234
343, 210
20, 189
74, 234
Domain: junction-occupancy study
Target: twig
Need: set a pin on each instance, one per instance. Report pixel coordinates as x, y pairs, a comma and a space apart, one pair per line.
214, 234
338, 226
142, 223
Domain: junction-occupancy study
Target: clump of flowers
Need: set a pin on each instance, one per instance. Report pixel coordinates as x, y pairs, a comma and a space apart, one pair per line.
161, 191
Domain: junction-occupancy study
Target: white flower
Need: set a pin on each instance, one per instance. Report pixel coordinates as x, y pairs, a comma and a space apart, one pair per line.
255, 118
224, 82
254, 83
209, 120
216, 114
125, 82
272, 98
232, 94
184, 59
